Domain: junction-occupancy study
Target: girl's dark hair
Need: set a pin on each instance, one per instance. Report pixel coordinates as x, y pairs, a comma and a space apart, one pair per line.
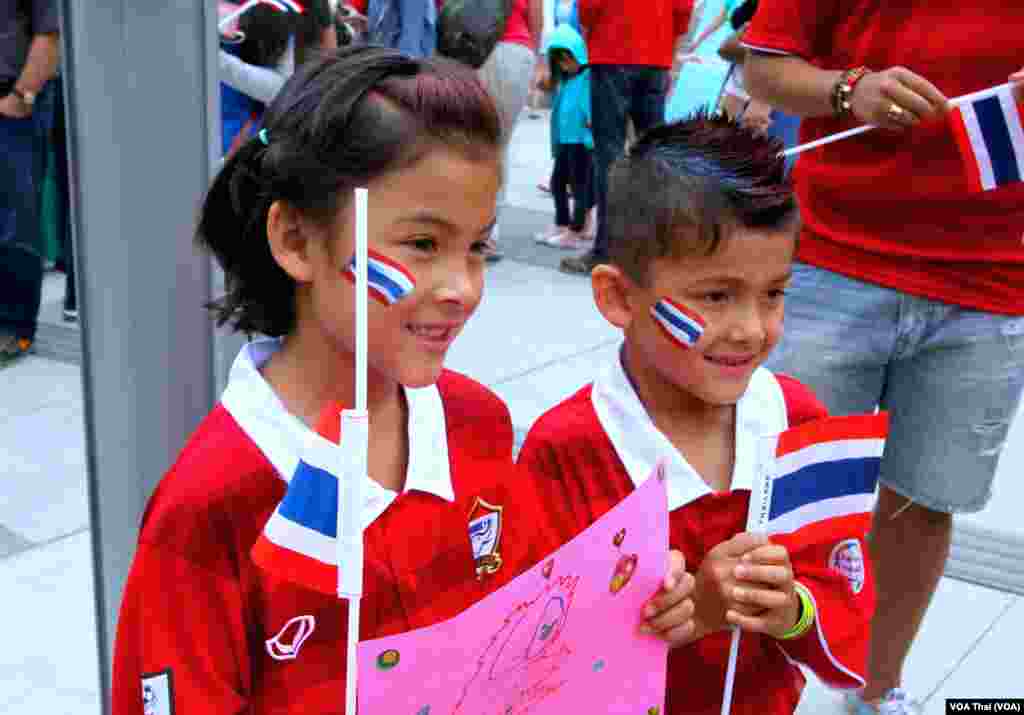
682, 183
340, 122
266, 31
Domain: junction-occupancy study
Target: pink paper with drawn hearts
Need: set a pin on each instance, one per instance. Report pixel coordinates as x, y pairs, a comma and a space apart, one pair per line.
562, 638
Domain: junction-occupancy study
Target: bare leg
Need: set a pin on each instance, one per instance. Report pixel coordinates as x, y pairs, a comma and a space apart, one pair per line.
909, 546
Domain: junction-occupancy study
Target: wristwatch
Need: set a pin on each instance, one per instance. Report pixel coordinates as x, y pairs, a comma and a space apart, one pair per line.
26, 98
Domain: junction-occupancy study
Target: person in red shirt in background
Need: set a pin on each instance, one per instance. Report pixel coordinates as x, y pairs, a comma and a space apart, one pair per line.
632, 48
910, 290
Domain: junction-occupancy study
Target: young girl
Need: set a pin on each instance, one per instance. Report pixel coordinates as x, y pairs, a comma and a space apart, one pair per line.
572, 141
202, 628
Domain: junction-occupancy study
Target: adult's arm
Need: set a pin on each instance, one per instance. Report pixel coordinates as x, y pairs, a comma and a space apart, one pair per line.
260, 83
684, 41
40, 66
793, 85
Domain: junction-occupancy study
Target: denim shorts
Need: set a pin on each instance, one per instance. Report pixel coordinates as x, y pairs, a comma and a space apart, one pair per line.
951, 379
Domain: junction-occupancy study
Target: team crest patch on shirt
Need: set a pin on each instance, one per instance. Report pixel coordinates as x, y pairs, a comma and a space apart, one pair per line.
847, 558
158, 693
485, 536
286, 644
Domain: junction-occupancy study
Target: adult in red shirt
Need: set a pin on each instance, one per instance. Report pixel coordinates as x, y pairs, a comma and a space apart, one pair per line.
631, 47
910, 294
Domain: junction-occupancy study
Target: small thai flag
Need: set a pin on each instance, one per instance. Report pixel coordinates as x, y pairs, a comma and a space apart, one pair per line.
389, 281
681, 326
824, 471
286, 5
299, 541
989, 133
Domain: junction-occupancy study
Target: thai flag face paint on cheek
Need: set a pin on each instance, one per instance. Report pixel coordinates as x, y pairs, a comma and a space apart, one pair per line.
389, 281
680, 325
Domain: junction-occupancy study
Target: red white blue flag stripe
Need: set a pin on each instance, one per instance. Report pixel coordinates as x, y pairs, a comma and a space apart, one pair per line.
990, 136
299, 541
389, 281
286, 5
680, 325
825, 469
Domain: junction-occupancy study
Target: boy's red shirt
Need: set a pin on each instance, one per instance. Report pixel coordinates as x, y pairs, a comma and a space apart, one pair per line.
197, 607
583, 476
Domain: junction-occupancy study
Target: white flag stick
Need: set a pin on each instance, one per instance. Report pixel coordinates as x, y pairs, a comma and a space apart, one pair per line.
355, 432
226, 21
955, 102
757, 518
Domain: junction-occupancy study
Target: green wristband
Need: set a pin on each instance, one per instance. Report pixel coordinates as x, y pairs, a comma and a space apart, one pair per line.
807, 614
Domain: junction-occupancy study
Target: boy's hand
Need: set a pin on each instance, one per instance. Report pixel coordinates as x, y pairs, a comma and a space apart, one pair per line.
669, 615
762, 598
716, 581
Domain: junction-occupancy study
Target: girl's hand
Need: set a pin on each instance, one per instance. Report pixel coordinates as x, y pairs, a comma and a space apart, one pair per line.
669, 615
896, 98
716, 581
763, 599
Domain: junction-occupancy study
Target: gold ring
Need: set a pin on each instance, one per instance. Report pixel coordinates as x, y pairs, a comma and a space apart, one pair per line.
895, 112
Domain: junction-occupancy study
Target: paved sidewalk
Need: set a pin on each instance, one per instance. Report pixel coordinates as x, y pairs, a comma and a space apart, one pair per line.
968, 643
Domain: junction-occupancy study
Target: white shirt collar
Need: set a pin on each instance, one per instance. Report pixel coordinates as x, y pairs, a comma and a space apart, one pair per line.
283, 437
639, 444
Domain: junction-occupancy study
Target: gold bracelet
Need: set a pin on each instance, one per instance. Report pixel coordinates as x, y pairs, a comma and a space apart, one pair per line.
843, 90
807, 614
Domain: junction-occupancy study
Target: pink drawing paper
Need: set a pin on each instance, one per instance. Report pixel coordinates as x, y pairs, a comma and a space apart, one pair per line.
562, 638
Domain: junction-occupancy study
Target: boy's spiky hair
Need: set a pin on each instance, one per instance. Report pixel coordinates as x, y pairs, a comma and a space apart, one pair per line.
682, 184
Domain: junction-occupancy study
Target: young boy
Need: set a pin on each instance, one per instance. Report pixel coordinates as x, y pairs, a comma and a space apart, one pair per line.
702, 225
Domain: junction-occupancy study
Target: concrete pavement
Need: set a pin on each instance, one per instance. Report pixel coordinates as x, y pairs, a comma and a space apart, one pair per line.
966, 648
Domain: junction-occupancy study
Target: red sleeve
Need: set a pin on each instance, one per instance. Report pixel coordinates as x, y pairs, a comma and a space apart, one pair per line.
795, 27
802, 405
360, 6
835, 647
180, 639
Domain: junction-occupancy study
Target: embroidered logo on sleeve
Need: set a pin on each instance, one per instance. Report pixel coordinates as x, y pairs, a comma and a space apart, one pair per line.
485, 536
286, 644
158, 693
847, 558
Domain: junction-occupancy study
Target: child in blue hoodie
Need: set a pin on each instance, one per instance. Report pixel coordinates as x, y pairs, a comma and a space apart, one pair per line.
571, 139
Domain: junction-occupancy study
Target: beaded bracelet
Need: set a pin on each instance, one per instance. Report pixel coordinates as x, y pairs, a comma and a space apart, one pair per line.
807, 614
843, 90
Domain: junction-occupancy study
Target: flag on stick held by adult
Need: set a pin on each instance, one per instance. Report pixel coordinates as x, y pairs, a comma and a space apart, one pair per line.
990, 137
